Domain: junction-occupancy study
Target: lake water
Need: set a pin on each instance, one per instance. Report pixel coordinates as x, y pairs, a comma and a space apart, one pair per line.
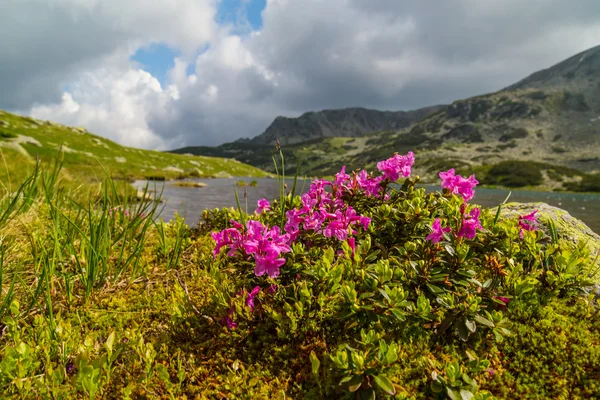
218, 193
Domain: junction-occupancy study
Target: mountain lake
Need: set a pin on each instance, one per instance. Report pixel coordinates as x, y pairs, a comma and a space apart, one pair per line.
189, 202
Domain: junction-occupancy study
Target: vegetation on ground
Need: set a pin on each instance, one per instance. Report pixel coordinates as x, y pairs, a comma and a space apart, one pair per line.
88, 158
355, 290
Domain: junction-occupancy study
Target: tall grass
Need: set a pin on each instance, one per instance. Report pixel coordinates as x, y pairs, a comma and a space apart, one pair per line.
79, 241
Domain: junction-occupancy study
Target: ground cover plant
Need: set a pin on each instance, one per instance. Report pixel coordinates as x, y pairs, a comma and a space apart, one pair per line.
364, 287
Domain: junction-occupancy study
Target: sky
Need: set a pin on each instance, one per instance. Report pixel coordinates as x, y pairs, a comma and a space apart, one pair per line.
164, 74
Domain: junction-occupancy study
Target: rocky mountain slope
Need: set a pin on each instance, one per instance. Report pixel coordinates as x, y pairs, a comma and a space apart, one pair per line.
347, 122
87, 156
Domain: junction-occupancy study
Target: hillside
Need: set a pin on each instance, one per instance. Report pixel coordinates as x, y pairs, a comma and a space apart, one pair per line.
550, 121
22, 139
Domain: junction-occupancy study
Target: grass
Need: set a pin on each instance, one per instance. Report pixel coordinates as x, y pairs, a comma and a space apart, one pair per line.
100, 299
87, 156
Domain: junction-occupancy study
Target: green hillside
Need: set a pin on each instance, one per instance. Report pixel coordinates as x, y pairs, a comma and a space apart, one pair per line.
88, 156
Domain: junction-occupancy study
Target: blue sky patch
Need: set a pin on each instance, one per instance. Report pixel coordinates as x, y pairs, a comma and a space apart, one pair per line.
244, 15
158, 59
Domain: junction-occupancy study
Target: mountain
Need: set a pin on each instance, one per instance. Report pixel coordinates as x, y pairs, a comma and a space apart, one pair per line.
347, 122
543, 131
87, 156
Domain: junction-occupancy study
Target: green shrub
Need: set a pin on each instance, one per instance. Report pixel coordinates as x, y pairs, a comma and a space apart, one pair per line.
514, 174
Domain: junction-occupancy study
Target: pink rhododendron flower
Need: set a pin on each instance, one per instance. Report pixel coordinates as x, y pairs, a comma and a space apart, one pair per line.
370, 186
470, 224
352, 244
456, 184
263, 205
272, 289
341, 178
505, 300
396, 165
527, 223
268, 264
263, 243
251, 296
438, 231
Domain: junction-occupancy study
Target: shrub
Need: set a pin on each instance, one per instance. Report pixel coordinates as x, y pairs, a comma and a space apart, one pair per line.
514, 174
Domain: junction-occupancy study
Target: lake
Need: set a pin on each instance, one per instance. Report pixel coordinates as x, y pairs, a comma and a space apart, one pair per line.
218, 193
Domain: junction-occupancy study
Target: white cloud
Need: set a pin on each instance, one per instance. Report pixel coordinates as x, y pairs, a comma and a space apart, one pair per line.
115, 104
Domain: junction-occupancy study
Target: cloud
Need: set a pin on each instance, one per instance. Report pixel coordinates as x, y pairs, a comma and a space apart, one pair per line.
308, 55
46, 43
115, 104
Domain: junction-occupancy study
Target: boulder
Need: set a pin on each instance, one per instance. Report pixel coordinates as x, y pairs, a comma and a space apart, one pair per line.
568, 228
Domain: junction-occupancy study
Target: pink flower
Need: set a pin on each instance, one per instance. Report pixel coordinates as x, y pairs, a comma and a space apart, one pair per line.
527, 223
268, 264
263, 205
370, 186
230, 323
470, 224
396, 165
456, 184
352, 244
341, 178
251, 296
505, 300
272, 289
438, 231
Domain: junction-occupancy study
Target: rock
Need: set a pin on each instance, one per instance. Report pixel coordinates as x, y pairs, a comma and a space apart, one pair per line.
569, 229
189, 184
78, 129
15, 146
173, 169
223, 174
121, 160
22, 139
194, 172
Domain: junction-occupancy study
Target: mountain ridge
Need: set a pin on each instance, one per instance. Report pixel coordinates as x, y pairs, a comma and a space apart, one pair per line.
550, 119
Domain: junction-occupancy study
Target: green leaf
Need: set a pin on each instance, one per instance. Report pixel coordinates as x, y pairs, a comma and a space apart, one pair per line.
110, 342
391, 355
368, 394
484, 321
465, 394
355, 382
463, 332
434, 289
385, 384
453, 394
471, 325
315, 363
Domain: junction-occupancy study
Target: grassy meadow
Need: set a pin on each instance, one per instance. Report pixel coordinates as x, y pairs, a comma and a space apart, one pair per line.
89, 158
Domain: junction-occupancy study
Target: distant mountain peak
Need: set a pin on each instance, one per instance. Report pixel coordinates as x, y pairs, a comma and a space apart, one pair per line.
344, 122
582, 68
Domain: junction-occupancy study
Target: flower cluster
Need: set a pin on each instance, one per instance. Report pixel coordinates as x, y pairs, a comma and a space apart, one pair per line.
263, 205
263, 243
323, 212
396, 165
470, 223
527, 223
456, 184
